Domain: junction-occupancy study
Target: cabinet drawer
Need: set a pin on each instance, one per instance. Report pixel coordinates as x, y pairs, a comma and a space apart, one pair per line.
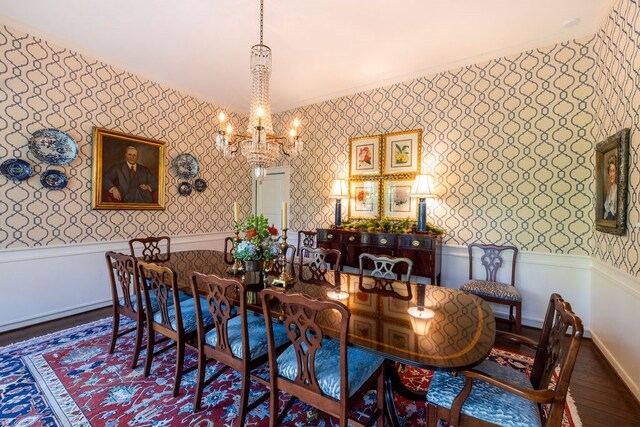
351, 238
328, 236
387, 240
416, 242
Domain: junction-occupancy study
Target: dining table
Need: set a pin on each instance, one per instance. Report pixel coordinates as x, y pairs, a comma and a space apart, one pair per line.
459, 334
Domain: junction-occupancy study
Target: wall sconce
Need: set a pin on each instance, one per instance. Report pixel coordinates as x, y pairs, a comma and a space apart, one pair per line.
339, 191
422, 188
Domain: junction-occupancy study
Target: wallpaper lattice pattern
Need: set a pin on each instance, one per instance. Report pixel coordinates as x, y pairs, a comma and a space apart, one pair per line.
510, 142
617, 48
42, 85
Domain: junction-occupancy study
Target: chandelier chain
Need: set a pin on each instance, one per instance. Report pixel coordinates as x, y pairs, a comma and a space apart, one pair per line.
261, 18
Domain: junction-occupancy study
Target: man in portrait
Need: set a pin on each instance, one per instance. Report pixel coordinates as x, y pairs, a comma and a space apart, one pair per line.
129, 181
610, 202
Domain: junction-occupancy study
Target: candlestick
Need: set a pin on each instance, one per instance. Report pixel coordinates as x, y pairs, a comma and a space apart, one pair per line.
237, 267
284, 216
284, 279
236, 212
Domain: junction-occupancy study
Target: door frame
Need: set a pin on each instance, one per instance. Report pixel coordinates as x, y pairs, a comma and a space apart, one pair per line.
276, 170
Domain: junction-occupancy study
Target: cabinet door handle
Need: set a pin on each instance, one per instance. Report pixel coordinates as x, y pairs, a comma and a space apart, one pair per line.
352, 238
329, 236
383, 241
415, 243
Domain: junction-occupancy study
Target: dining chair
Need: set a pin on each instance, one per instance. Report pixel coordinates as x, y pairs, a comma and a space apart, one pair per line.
492, 394
276, 264
323, 372
238, 342
229, 249
490, 289
307, 238
124, 278
151, 249
319, 263
175, 317
383, 275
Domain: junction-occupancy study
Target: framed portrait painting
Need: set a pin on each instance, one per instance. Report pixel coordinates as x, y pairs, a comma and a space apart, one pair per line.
364, 156
364, 199
128, 171
402, 152
396, 203
612, 165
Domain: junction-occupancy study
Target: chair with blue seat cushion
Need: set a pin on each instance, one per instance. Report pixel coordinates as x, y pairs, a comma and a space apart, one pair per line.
323, 372
490, 289
174, 312
492, 394
381, 279
124, 278
151, 249
239, 342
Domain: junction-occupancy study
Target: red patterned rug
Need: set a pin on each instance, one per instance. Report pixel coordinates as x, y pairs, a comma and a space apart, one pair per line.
69, 379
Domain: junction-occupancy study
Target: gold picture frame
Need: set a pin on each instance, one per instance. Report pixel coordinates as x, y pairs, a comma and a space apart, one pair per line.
128, 171
364, 199
402, 153
364, 156
396, 202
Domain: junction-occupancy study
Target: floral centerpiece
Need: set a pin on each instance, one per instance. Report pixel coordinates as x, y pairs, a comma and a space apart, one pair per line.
260, 241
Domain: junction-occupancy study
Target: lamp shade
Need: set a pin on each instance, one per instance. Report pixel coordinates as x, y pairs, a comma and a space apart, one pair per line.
422, 187
339, 190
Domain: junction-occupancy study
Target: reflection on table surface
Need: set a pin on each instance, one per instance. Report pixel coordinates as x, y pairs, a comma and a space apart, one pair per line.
460, 334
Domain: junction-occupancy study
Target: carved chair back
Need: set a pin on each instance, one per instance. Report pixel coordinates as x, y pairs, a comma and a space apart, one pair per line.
318, 262
384, 278
492, 259
301, 323
151, 248
229, 250
124, 278
307, 238
276, 263
219, 295
162, 283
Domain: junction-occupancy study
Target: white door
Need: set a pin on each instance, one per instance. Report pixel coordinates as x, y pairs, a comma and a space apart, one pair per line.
270, 193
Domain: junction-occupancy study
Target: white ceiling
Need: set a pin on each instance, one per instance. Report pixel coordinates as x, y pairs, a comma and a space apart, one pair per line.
321, 49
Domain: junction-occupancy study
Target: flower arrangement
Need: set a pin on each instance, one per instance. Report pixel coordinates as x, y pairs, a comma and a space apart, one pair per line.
260, 242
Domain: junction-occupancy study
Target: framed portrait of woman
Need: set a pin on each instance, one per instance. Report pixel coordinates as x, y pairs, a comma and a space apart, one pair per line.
612, 165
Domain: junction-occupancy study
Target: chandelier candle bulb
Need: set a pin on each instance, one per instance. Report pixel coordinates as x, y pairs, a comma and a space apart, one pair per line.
222, 117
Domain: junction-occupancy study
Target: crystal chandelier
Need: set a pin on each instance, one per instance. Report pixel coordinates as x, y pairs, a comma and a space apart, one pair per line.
259, 145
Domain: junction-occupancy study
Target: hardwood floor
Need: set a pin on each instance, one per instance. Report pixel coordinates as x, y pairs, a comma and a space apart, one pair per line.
601, 397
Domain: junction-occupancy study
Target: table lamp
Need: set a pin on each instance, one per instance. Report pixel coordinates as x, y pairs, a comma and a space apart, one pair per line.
422, 188
339, 191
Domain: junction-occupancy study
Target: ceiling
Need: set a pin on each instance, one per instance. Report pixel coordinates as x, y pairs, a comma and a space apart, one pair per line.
322, 49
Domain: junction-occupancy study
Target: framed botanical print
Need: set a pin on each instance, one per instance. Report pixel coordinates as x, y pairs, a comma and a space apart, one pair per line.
396, 202
364, 156
612, 164
402, 152
128, 171
364, 199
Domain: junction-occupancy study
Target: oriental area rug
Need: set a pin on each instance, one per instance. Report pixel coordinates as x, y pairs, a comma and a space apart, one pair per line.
69, 379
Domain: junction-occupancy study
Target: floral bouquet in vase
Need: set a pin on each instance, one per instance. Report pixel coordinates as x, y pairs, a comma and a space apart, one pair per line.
259, 244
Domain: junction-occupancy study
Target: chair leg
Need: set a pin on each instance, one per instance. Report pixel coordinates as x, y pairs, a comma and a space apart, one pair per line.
432, 417
380, 399
114, 331
139, 334
244, 397
518, 318
202, 367
179, 366
150, 343
273, 406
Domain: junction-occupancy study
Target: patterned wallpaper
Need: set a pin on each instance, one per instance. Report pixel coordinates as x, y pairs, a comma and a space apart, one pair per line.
43, 85
617, 49
510, 143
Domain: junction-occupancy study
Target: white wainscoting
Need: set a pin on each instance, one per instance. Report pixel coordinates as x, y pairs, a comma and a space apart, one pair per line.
615, 316
44, 283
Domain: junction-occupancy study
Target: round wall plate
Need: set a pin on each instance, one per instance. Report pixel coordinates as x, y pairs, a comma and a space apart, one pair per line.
184, 188
186, 166
53, 146
54, 179
16, 169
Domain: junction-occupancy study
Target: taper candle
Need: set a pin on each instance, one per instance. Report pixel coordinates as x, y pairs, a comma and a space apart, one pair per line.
236, 212
284, 215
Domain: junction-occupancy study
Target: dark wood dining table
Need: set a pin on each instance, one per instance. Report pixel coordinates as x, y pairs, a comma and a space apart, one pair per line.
459, 336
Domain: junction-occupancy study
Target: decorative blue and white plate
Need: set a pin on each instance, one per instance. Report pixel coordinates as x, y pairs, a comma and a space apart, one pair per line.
200, 185
53, 179
186, 166
16, 169
184, 188
53, 146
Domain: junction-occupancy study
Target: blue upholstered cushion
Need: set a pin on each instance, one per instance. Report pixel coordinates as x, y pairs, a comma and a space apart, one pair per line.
257, 335
362, 364
484, 288
488, 402
154, 302
188, 311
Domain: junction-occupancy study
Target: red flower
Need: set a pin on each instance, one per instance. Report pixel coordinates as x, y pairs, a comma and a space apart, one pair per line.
251, 234
273, 230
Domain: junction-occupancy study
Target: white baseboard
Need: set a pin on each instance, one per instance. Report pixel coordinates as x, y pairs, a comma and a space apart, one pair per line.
634, 386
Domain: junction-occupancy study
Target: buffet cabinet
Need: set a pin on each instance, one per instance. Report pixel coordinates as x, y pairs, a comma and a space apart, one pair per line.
423, 249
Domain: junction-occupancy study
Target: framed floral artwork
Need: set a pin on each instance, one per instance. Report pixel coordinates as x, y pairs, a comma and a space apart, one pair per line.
396, 203
402, 152
364, 199
612, 165
364, 156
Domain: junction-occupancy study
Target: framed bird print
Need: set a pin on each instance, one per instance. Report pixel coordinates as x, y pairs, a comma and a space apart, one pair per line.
402, 152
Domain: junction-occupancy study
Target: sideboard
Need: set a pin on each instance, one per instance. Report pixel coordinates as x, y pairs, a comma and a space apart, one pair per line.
424, 250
